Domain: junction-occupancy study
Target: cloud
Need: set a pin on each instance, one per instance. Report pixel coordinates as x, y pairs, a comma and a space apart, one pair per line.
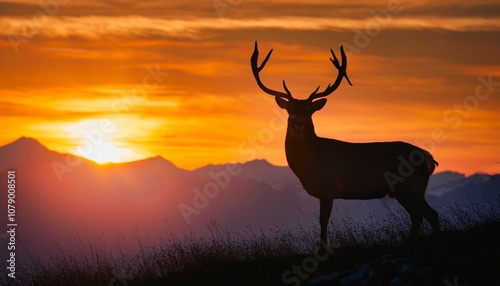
251, 9
97, 27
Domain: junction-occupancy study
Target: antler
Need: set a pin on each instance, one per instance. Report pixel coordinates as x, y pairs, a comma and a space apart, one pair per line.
256, 69
342, 73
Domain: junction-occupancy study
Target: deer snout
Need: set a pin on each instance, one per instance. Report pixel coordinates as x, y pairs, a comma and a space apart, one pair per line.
298, 124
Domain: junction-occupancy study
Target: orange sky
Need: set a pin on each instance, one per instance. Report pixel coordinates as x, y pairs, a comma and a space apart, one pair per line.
123, 80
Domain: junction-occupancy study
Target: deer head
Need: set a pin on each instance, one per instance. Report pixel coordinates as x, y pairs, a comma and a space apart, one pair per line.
300, 111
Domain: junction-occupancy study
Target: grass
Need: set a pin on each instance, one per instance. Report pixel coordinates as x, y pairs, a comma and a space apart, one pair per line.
172, 257
230, 258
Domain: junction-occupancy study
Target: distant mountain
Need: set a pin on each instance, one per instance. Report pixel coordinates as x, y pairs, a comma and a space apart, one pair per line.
440, 183
61, 199
469, 201
22, 150
27, 144
277, 177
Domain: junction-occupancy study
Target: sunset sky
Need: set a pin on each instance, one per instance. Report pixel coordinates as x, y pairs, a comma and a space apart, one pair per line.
120, 80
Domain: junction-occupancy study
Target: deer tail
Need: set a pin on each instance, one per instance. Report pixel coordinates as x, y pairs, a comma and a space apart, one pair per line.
430, 163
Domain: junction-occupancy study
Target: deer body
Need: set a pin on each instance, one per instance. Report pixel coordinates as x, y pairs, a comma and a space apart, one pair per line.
330, 169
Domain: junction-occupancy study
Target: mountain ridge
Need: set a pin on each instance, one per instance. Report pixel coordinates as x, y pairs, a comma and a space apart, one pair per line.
32, 146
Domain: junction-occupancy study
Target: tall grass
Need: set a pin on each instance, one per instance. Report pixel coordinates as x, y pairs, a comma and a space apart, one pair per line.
93, 264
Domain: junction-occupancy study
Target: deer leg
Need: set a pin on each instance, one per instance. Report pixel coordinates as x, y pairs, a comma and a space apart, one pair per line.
416, 221
416, 216
325, 209
432, 216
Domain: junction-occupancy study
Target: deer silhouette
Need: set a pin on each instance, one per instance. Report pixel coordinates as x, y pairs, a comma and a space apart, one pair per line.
329, 169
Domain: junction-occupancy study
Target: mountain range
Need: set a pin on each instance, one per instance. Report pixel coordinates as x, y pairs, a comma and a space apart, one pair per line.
62, 200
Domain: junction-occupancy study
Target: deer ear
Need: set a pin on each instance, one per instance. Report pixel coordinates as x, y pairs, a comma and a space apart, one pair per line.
281, 102
318, 104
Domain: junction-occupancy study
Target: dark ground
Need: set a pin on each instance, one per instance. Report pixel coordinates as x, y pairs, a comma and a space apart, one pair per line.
469, 257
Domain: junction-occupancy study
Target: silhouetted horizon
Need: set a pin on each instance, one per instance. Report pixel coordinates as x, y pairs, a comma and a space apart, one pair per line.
33, 143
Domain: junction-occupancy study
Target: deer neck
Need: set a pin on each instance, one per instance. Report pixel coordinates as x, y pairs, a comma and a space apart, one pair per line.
300, 146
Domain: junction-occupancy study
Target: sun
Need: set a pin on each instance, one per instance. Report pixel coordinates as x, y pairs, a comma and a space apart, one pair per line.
100, 141
106, 152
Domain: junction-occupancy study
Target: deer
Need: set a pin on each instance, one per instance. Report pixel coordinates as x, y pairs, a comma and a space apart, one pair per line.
330, 169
